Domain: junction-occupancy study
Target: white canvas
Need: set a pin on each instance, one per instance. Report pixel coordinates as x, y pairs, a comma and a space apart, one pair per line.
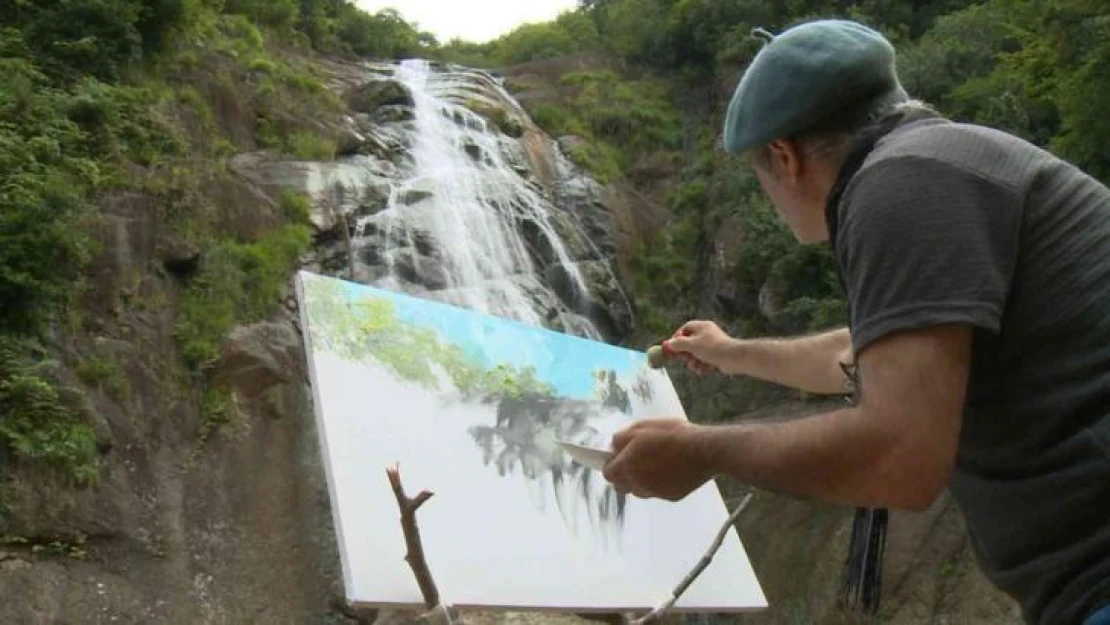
514, 523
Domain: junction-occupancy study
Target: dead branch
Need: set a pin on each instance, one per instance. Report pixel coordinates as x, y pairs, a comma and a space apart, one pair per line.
657, 613
415, 554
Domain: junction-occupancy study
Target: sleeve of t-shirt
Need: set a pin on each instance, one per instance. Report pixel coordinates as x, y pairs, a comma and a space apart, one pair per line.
922, 242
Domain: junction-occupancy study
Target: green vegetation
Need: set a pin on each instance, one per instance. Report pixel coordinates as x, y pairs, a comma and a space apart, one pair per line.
615, 121
236, 283
102, 372
107, 96
36, 424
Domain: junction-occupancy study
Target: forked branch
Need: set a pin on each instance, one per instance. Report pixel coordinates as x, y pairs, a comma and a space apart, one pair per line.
415, 550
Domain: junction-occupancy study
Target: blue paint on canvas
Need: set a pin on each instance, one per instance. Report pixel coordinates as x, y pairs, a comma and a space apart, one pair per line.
495, 340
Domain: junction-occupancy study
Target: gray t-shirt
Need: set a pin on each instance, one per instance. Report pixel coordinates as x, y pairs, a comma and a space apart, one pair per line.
953, 223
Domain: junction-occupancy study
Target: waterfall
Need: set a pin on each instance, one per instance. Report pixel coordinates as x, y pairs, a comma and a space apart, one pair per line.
463, 222
445, 190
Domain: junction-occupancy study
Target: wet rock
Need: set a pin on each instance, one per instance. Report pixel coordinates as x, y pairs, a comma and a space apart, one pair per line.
538, 243
513, 127
603, 301
368, 97
391, 114
583, 198
607, 301
371, 255
498, 116
414, 196
569, 230
349, 140
426, 271
473, 150
334, 259
424, 243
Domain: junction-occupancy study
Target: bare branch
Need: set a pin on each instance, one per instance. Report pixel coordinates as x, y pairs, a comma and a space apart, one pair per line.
415, 555
657, 613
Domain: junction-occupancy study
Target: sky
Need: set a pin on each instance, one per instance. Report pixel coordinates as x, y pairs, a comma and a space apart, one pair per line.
477, 21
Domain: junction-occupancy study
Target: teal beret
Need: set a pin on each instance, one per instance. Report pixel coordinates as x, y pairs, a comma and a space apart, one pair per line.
808, 76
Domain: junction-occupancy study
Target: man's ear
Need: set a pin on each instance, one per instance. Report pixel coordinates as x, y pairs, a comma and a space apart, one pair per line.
786, 159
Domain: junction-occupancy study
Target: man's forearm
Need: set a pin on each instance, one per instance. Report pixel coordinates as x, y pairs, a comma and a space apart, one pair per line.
837, 457
809, 363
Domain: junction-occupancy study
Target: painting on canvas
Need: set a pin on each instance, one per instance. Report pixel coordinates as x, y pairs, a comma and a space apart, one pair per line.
471, 406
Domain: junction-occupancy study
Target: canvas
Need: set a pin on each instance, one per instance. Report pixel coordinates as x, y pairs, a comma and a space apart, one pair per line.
471, 407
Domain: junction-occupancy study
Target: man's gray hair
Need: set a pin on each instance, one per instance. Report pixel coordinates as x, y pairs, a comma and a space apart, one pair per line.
834, 144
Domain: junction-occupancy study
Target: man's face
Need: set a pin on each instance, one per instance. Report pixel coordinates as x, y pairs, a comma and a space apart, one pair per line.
796, 189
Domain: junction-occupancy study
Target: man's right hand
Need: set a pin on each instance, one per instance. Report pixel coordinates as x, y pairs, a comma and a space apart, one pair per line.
703, 346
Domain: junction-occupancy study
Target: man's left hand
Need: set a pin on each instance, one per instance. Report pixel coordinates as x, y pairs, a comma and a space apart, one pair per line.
657, 458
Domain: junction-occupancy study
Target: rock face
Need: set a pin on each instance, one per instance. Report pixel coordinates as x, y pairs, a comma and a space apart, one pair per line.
187, 524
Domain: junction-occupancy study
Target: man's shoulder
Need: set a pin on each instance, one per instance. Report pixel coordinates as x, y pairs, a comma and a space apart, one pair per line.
960, 148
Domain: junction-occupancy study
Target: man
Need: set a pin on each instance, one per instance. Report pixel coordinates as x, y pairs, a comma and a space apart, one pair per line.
977, 272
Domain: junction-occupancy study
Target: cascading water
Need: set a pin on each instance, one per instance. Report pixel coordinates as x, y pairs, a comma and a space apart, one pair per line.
437, 201
452, 228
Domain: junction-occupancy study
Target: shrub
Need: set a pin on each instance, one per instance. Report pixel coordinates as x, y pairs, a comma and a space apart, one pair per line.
236, 283
34, 422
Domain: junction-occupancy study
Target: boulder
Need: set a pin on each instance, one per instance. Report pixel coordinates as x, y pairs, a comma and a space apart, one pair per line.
603, 301
258, 357
393, 113
473, 150
369, 96
569, 143
426, 271
349, 140
413, 196
498, 116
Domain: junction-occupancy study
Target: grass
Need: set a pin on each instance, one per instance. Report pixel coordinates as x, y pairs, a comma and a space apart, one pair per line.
103, 372
38, 425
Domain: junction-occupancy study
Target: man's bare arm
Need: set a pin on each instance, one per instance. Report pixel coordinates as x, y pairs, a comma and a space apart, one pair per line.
811, 363
895, 448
